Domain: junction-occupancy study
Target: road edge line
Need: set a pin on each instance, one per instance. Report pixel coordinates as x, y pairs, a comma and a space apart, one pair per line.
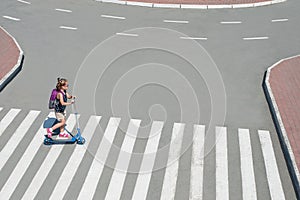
193, 6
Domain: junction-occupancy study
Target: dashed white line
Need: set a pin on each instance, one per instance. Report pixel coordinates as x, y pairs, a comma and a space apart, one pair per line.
174, 21
21, 1
231, 22
63, 10
127, 34
193, 38
12, 18
280, 20
256, 38
112, 17
68, 27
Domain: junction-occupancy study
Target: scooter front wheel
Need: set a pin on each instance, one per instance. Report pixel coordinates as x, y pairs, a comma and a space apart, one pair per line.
81, 140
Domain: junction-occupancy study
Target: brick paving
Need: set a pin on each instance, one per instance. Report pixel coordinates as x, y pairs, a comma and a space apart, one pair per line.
202, 2
9, 53
285, 84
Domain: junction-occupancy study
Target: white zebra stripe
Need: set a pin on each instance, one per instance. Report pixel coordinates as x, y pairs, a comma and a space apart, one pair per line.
47, 164
17, 137
247, 171
90, 184
273, 176
118, 177
7, 119
170, 179
23, 163
222, 187
196, 178
143, 179
75, 160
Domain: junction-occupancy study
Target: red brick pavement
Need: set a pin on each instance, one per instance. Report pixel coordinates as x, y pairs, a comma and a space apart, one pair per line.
285, 84
9, 53
202, 2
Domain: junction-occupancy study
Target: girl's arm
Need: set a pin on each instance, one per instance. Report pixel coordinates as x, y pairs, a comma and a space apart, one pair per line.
70, 96
61, 100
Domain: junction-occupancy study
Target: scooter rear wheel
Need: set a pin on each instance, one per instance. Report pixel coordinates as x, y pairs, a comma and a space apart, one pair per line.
47, 141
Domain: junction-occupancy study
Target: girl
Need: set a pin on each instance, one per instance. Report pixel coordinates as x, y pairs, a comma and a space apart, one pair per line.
60, 107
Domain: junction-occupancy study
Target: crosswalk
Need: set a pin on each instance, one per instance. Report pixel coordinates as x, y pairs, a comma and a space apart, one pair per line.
117, 183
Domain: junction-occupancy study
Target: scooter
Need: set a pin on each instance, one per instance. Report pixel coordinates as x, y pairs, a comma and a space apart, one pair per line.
49, 122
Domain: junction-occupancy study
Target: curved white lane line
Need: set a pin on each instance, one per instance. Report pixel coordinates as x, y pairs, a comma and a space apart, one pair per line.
174, 21
279, 20
21, 1
127, 34
256, 38
63, 10
193, 38
68, 27
11, 18
112, 17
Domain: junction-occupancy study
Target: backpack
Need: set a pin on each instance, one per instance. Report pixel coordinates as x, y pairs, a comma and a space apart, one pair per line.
52, 100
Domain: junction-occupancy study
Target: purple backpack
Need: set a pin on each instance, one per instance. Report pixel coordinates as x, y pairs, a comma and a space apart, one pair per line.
52, 100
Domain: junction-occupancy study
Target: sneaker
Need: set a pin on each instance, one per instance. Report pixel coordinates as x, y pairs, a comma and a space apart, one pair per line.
49, 133
63, 136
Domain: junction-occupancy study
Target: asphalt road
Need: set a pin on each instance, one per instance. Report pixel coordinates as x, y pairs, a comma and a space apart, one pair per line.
151, 73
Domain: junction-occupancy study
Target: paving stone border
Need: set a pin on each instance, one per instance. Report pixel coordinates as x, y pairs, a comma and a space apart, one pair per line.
280, 128
11, 58
192, 6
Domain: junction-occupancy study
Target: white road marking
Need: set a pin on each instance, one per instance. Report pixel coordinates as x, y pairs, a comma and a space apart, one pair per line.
280, 20
17, 137
222, 187
274, 182
112, 17
11, 18
193, 38
247, 171
115, 187
127, 34
23, 163
7, 119
196, 178
175, 21
256, 38
1, 108
63, 10
65, 179
143, 179
90, 184
21, 1
47, 164
231, 22
170, 178
68, 27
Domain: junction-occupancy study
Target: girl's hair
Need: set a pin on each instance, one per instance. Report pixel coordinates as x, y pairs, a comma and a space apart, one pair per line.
60, 82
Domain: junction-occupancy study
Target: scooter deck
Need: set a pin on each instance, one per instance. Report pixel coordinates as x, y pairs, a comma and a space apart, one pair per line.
49, 141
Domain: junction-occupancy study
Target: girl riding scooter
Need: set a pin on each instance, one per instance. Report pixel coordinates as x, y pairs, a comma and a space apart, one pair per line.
60, 108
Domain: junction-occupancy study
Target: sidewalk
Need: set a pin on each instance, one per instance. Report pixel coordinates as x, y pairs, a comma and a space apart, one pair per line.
282, 86
11, 57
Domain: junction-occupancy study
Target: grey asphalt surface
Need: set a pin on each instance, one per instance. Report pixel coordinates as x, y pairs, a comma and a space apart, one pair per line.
51, 52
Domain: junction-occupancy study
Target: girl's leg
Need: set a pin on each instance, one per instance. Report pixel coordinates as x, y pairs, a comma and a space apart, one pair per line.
60, 125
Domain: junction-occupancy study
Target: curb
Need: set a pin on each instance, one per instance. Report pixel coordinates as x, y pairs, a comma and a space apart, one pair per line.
191, 6
284, 141
16, 69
